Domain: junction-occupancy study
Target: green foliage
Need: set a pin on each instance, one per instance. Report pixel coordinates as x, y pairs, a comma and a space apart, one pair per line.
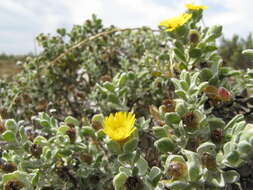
231, 51
193, 129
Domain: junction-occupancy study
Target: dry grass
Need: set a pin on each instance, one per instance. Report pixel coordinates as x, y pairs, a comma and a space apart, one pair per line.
8, 69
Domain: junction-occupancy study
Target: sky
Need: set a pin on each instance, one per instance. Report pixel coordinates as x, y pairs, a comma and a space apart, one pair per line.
22, 20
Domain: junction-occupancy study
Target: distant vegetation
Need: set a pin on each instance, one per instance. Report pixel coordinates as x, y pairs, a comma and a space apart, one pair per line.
231, 51
8, 66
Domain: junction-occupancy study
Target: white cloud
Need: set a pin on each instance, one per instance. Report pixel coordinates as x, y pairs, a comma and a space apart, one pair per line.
25, 19
234, 16
120, 12
80, 10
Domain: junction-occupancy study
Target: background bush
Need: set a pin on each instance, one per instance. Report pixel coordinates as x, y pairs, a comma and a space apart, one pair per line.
193, 112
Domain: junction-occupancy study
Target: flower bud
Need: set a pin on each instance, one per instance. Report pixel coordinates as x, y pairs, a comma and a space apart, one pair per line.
97, 121
85, 157
217, 136
134, 183
208, 161
3, 112
72, 134
169, 105
193, 144
13, 184
194, 37
17, 100
191, 120
7, 167
106, 78
94, 179
27, 98
2, 126
177, 169
211, 92
47, 188
36, 150
224, 94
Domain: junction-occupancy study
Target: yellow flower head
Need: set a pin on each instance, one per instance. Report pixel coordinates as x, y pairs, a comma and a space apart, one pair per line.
176, 22
119, 126
196, 7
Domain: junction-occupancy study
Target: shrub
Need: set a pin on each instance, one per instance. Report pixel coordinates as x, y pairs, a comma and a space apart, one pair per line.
178, 119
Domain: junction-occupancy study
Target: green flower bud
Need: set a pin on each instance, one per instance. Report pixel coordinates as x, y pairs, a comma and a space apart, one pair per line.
97, 121
194, 37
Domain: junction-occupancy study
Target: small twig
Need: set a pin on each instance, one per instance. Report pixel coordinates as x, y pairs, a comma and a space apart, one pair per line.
93, 38
13, 101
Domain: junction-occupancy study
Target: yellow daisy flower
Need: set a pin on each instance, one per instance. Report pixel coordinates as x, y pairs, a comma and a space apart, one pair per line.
176, 22
196, 7
119, 126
